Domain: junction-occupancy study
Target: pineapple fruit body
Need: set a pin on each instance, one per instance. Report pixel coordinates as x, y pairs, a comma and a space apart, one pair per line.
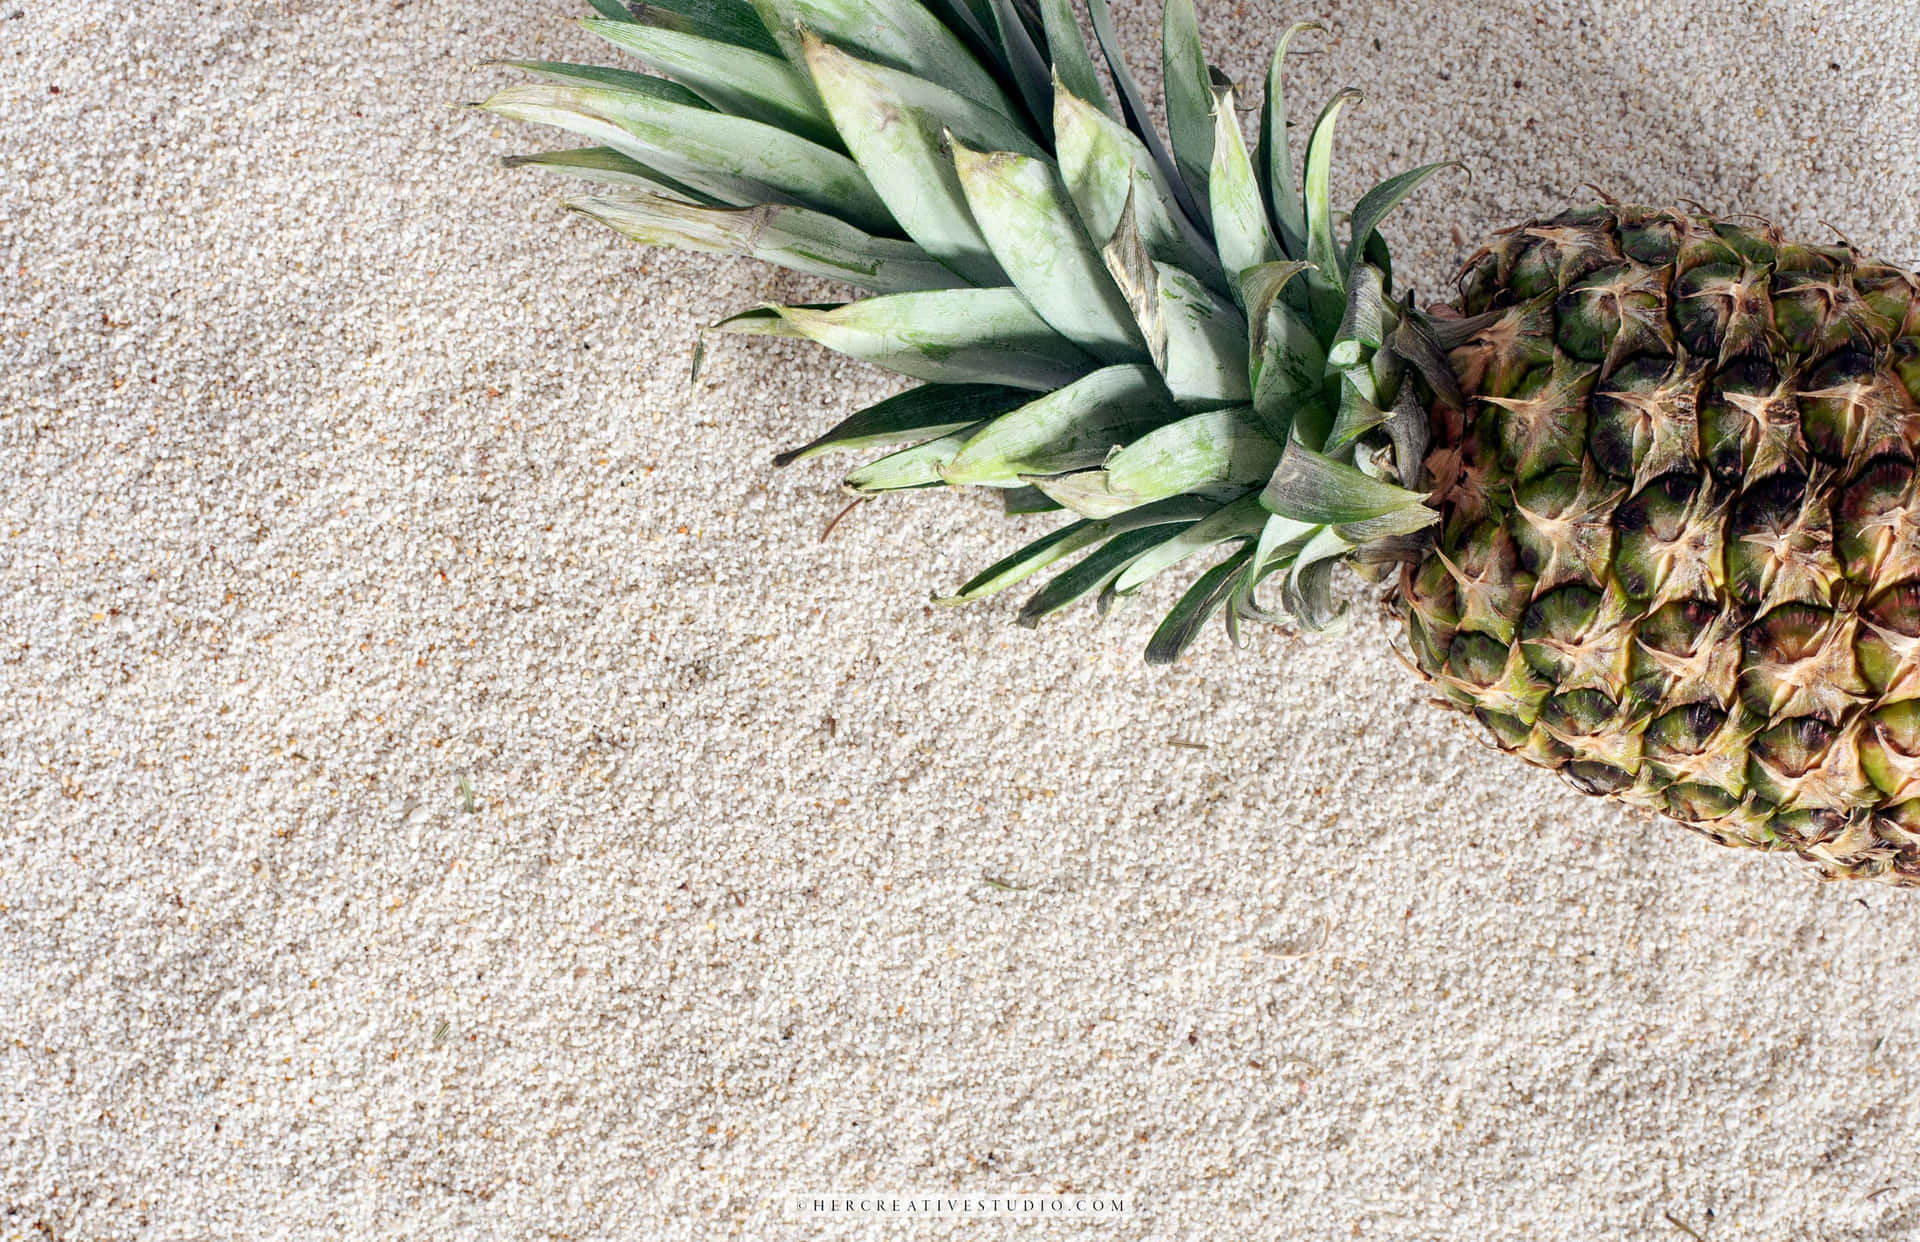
1679, 550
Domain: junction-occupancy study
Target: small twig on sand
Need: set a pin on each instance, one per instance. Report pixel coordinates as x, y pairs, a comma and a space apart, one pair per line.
854, 504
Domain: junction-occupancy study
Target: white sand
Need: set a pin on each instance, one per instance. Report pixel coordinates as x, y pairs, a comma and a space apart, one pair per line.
339, 467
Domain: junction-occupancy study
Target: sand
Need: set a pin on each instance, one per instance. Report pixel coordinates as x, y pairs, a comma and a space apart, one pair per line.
451, 791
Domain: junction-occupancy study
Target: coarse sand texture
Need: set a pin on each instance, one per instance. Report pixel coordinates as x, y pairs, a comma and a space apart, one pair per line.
453, 790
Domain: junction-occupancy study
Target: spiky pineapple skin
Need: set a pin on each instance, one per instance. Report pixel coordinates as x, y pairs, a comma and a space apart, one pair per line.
1679, 555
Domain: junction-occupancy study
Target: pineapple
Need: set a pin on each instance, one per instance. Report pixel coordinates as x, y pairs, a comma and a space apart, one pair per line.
1646, 486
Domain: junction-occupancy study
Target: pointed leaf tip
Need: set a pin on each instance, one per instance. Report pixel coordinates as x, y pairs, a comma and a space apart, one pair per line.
1274, 152
1322, 251
1240, 226
1177, 632
1378, 203
1309, 487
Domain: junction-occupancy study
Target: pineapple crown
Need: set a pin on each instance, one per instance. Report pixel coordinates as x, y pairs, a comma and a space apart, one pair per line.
1166, 340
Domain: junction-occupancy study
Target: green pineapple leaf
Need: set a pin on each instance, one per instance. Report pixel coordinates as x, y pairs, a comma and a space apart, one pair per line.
1326, 289
1322, 250
1280, 538
1096, 572
1310, 487
894, 125
986, 336
1240, 228
1017, 500
1378, 203
1306, 591
1414, 340
739, 161
915, 467
1028, 68
568, 74
1274, 153
1196, 338
604, 164
1072, 62
972, 20
1135, 112
1363, 325
732, 79
1070, 428
1409, 433
790, 237
1219, 453
1355, 414
1182, 625
929, 410
1286, 357
1047, 550
1186, 84
1206, 363
1103, 164
900, 34
1022, 209
724, 21
1239, 518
